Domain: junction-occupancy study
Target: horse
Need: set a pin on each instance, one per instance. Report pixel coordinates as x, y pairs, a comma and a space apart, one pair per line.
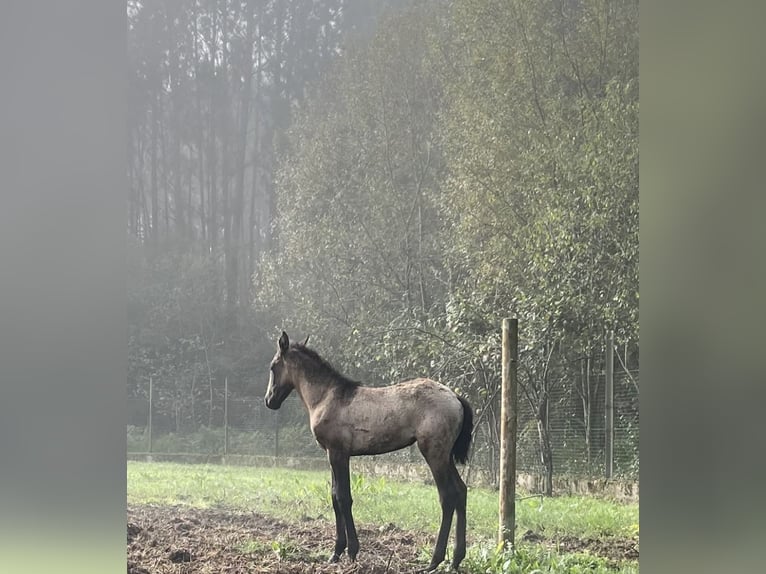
348, 419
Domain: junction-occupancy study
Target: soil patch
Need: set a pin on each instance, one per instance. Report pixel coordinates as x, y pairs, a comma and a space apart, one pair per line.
192, 540
185, 540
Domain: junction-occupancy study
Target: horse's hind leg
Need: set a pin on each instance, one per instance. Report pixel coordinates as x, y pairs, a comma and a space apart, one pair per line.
453, 496
460, 505
440, 469
446, 499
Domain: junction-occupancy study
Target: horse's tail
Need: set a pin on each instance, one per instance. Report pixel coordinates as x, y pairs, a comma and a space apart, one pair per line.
463, 442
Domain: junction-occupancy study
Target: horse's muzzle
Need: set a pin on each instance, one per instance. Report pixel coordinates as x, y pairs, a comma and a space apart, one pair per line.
274, 401
276, 396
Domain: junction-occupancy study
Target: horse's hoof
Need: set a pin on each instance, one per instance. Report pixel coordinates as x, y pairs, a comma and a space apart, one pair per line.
334, 559
352, 551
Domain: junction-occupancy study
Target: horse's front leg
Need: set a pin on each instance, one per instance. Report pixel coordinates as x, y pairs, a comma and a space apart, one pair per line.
340, 523
342, 498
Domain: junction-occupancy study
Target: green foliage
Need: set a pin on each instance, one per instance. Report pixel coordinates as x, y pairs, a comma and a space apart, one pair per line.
138, 439
180, 338
254, 547
282, 548
527, 201
526, 559
542, 140
361, 484
359, 229
586, 517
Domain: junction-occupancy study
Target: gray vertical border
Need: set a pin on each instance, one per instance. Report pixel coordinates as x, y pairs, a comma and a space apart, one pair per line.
62, 286
703, 280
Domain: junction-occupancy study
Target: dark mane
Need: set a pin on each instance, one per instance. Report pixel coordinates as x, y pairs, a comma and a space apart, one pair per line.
321, 367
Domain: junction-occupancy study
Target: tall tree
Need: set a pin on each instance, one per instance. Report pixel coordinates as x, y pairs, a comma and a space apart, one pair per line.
543, 149
358, 220
213, 86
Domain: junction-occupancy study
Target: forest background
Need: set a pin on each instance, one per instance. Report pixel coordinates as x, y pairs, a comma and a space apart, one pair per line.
390, 177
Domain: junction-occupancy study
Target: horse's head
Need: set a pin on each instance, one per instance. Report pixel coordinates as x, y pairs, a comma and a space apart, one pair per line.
281, 376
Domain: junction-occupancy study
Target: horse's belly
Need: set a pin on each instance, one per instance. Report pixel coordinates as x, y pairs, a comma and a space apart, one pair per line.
380, 444
361, 436
379, 439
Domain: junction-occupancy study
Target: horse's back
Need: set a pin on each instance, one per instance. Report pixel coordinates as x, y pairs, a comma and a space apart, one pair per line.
423, 405
382, 419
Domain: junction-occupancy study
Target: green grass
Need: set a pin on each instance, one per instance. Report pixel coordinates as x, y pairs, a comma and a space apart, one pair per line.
296, 493
530, 559
376, 500
282, 548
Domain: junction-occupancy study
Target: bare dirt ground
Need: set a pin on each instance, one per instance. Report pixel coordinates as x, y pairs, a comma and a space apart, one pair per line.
182, 540
191, 540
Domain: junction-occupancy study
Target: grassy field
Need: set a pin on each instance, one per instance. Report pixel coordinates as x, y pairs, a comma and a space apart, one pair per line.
295, 493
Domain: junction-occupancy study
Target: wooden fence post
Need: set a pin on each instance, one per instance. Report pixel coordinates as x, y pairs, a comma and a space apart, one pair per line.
508, 422
150, 414
225, 417
609, 407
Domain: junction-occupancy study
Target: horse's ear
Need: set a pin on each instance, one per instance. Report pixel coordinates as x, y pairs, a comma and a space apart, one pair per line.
284, 343
305, 342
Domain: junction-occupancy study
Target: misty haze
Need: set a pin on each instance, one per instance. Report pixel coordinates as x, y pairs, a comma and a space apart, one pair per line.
390, 179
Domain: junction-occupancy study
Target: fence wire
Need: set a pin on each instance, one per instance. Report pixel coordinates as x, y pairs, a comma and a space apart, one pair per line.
206, 422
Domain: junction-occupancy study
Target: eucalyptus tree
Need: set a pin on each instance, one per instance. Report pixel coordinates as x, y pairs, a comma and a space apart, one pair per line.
212, 86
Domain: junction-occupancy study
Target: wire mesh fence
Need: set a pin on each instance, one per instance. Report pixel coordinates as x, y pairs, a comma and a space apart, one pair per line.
212, 421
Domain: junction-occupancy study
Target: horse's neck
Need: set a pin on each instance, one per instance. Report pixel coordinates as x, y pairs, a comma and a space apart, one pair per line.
312, 390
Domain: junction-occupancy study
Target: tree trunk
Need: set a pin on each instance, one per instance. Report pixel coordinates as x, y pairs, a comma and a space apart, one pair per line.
212, 194
588, 411
154, 185
585, 398
178, 199
253, 228
546, 453
193, 411
165, 170
211, 144
238, 201
200, 133
177, 406
210, 410
229, 242
132, 186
